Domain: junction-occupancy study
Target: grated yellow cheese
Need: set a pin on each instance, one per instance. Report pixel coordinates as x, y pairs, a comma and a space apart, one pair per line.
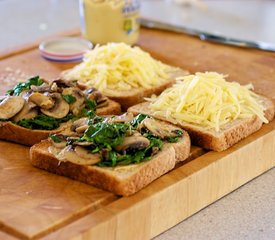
207, 100
118, 66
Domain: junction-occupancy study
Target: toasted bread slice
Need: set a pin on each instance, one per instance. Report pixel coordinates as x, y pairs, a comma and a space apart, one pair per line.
15, 133
229, 134
121, 180
134, 96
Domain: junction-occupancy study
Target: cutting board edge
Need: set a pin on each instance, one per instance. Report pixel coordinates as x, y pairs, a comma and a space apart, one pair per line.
160, 214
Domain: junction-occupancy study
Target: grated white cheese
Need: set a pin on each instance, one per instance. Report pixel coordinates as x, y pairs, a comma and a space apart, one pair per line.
208, 100
118, 66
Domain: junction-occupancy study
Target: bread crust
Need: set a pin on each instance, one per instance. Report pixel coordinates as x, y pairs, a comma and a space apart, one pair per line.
122, 180
113, 108
17, 134
230, 134
134, 96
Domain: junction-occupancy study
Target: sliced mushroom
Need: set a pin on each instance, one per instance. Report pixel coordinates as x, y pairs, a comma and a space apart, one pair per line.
60, 109
81, 129
133, 133
25, 94
78, 105
103, 103
80, 125
133, 142
61, 144
81, 157
41, 100
10, 106
84, 143
65, 83
45, 87
160, 128
54, 87
105, 154
73, 138
28, 111
155, 150
93, 158
124, 118
95, 95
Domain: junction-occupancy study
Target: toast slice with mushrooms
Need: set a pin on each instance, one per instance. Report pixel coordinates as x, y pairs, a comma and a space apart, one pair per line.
121, 154
34, 109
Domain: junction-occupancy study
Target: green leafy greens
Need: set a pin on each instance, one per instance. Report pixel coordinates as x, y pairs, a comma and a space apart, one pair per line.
107, 136
44, 122
176, 138
20, 87
138, 119
89, 110
69, 99
55, 138
134, 156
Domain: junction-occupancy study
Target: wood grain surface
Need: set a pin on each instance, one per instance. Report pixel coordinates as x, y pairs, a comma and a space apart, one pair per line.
241, 64
33, 202
6, 236
36, 204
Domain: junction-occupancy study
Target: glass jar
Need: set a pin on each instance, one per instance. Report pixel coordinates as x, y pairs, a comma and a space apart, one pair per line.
104, 21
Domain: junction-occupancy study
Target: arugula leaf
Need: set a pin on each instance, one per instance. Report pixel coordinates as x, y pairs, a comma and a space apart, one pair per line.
106, 135
154, 142
86, 113
138, 119
176, 138
69, 98
20, 87
90, 104
113, 158
89, 110
43, 122
95, 119
134, 156
55, 138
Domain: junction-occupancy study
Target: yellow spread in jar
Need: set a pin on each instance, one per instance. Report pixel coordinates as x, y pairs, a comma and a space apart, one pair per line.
106, 21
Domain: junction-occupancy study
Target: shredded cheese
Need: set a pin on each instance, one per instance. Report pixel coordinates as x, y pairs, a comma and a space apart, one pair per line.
207, 100
118, 66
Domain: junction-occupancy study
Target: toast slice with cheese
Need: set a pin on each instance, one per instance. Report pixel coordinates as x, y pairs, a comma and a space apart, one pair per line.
228, 135
33, 110
209, 138
122, 179
124, 74
129, 98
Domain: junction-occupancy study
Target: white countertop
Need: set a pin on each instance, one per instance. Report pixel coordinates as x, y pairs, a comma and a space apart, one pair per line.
247, 213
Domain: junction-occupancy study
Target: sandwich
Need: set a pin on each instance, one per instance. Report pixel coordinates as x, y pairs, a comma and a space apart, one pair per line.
216, 113
34, 109
121, 154
123, 73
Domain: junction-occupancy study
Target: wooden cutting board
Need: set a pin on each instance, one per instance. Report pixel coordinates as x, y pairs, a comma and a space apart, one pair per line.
36, 204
